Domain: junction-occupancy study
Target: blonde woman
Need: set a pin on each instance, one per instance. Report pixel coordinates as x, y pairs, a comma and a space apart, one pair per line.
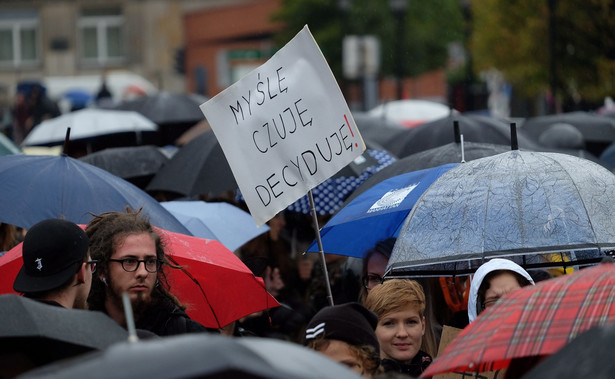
400, 307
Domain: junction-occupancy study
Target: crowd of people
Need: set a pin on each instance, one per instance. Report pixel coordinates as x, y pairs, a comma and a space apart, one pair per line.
376, 326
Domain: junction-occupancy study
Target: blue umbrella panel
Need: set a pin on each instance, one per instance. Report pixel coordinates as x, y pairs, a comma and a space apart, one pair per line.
34, 188
376, 214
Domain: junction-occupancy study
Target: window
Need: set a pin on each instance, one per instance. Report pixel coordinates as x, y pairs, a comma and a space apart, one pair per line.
19, 43
101, 35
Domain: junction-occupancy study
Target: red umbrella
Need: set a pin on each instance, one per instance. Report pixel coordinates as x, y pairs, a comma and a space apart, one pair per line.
215, 285
532, 321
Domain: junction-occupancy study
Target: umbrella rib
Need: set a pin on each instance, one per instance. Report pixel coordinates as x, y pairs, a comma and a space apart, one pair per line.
200, 287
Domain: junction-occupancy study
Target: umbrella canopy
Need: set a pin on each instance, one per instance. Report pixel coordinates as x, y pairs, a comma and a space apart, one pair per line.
441, 132
7, 146
136, 164
377, 129
200, 356
199, 167
34, 188
591, 353
46, 333
331, 193
223, 222
217, 287
376, 214
592, 126
411, 112
437, 156
522, 205
214, 284
532, 321
167, 107
88, 123
174, 113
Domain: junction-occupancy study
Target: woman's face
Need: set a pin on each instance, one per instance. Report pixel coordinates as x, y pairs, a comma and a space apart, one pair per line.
400, 334
376, 267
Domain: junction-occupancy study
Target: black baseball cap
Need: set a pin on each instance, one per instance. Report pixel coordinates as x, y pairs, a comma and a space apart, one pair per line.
52, 252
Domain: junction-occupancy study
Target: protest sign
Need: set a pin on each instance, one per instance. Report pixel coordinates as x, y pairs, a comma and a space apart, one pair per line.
284, 128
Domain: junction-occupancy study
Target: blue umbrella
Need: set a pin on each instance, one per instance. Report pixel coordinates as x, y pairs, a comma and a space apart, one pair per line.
376, 214
224, 222
34, 188
330, 194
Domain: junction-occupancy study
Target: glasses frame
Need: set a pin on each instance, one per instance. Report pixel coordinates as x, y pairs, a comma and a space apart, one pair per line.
92, 264
367, 279
139, 261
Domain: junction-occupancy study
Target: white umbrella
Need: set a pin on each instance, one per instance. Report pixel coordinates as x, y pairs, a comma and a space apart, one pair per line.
411, 112
87, 123
221, 221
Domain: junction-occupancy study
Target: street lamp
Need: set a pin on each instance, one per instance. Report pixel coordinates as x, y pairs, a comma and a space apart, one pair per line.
399, 9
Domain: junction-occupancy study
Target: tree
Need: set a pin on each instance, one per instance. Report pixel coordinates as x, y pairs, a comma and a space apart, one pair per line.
513, 36
430, 27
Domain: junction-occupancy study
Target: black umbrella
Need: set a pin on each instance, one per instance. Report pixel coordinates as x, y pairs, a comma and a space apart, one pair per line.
136, 164
174, 113
441, 132
45, 333
449, 153
199, 167
200, 356
592, 126
377, 129
589, 355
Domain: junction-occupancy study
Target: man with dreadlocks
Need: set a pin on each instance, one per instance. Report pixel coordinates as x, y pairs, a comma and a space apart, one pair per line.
131, 259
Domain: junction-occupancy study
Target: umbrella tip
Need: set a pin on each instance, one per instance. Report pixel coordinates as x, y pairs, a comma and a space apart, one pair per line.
66, 139
514, 145
456, 131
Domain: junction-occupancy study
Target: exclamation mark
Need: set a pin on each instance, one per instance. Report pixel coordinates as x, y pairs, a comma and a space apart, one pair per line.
351, 133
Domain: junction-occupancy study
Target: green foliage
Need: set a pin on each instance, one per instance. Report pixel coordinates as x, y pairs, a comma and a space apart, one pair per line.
513, 36
430, 27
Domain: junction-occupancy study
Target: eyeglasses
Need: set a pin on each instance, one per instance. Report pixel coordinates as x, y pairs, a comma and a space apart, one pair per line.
92, 264
372, 280
132, 264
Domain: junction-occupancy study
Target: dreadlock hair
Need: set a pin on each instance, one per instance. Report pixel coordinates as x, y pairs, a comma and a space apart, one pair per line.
106, 232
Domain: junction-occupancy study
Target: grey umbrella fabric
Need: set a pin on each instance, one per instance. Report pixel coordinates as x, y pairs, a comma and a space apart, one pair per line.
449, 153
136, 164
441, 132
47, 332
522, 205
199, 167
200, 356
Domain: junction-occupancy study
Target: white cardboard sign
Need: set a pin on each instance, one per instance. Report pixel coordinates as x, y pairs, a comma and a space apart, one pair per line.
284, 128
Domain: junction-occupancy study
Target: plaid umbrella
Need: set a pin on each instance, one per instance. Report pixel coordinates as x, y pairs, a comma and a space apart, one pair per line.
532, 321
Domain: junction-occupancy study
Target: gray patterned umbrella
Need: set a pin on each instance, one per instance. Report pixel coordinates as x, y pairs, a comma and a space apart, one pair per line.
539, 209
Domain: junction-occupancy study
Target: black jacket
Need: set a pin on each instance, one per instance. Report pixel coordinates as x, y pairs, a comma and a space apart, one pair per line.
415, 368
165, 319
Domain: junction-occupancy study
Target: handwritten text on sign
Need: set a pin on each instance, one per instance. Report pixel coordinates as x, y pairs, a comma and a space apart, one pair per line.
284, 128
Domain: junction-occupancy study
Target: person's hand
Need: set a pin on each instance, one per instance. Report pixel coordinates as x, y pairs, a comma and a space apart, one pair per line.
273, 281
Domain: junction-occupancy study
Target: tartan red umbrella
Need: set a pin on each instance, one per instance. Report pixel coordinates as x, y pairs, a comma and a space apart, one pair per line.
214, 284
532, 321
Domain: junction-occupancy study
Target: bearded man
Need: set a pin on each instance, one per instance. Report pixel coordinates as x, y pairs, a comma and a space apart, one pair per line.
131, 259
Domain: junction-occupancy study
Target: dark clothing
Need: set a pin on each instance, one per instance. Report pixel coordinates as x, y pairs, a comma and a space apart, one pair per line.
415, 368
166, 319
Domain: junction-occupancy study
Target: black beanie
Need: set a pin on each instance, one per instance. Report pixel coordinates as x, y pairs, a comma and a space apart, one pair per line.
351, 323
